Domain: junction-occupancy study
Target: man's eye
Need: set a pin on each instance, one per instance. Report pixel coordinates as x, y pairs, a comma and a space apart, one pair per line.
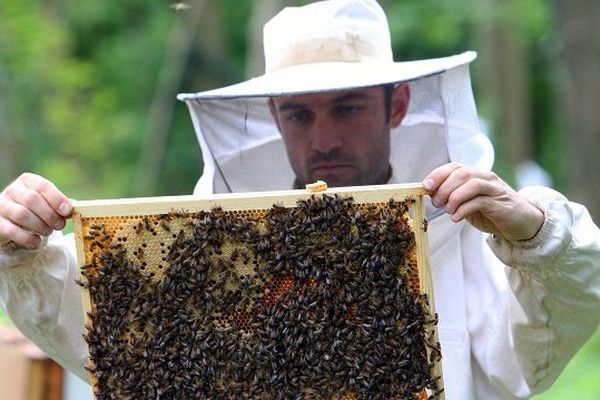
299, 117
347, 110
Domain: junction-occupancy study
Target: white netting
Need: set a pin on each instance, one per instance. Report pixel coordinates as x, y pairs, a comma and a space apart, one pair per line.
243, 150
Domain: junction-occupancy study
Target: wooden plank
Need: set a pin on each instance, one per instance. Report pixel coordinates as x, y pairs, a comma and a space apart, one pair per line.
86, 301
236, 201
26, 373
425, 279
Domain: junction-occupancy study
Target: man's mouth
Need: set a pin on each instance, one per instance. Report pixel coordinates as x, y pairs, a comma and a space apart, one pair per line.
331, 169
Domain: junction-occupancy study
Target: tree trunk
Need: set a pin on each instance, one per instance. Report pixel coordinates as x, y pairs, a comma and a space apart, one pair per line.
579, 98
504, 79
11, 138
163, 103
261, 13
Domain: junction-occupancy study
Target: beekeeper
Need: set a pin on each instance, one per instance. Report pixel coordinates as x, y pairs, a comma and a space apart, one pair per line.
516, 275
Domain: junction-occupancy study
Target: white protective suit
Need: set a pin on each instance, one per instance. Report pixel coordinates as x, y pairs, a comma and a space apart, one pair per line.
511, 315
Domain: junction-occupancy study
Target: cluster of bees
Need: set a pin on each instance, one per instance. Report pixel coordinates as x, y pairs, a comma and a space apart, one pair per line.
315, 301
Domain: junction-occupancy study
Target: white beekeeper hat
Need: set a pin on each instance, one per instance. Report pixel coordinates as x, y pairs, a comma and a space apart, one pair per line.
327, 46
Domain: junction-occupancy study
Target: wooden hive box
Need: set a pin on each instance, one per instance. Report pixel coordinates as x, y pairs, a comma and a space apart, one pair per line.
262, 295
26, 373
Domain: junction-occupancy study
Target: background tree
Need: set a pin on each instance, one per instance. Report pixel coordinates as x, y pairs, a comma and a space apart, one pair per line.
504, 78
579, 99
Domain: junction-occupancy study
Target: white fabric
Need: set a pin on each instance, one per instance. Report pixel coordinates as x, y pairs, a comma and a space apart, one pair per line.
39, 294
340, 30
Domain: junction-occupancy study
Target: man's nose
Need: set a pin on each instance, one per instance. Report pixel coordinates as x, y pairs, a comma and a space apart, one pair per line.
326, 136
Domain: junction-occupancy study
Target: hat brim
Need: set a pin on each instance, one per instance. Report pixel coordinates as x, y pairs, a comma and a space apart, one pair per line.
332, 76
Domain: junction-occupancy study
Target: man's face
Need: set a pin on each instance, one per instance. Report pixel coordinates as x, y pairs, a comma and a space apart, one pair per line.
341, 137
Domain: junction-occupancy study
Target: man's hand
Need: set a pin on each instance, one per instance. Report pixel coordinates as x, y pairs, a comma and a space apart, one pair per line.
31, 207
483, 199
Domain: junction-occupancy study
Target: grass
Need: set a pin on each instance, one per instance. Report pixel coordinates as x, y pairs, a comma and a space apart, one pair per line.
580, 378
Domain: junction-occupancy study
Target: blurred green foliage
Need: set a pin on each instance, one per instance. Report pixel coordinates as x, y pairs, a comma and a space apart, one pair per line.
77, 79
77, 83
4, 321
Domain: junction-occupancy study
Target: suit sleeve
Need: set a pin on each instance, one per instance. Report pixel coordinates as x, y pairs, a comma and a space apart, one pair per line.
40, 296
553, 306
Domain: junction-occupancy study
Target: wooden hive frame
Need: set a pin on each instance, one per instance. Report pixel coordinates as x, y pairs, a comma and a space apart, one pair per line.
100, 223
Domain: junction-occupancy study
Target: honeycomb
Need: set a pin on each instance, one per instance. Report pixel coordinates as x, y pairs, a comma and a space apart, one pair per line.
321, 300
